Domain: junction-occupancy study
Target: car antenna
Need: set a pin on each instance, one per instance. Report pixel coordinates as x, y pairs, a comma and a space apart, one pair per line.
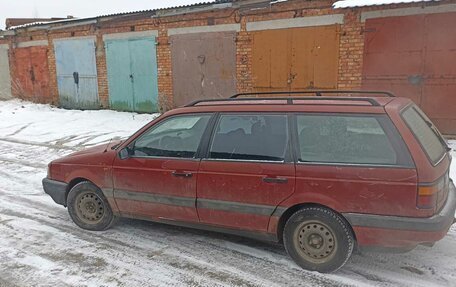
106, 149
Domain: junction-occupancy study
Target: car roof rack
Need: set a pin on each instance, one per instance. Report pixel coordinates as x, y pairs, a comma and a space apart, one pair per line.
318, 97
317, 93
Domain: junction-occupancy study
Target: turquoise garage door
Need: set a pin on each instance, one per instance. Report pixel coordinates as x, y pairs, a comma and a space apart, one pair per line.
132, 74
77, 73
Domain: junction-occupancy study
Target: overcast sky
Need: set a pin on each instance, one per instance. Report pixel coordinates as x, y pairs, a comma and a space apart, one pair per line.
78, 8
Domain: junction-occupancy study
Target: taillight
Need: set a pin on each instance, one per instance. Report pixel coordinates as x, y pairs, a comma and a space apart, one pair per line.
429, 196
49, 174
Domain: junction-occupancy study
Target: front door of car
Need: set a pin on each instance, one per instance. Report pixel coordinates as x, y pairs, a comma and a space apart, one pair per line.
158, 179
246, 172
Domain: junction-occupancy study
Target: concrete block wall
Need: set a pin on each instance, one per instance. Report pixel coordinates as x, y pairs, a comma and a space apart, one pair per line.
5, 90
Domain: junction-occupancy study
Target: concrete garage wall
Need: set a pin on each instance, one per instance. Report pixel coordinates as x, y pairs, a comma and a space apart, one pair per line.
344, 44
5, 79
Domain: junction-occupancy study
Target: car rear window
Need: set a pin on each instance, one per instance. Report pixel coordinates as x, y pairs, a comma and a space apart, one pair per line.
426, 134
344, 139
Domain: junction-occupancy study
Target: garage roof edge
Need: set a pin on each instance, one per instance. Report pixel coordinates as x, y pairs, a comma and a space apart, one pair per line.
160, 12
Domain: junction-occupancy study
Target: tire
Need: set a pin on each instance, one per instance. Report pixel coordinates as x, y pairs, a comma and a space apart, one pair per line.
318, 239
89, 208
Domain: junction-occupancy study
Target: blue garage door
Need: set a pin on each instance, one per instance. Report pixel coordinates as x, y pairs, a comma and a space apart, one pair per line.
77, 73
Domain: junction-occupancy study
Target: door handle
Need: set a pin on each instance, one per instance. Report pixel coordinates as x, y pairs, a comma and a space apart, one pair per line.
182, 174
32, 75
76, 78
275, 179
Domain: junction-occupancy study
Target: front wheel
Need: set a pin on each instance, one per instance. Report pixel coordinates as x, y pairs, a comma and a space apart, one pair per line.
318, 239
88, 207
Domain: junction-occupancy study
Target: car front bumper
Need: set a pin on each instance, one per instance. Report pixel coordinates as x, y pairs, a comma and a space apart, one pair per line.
56, 189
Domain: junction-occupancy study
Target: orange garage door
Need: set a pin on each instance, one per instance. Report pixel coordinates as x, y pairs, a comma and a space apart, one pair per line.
295, 59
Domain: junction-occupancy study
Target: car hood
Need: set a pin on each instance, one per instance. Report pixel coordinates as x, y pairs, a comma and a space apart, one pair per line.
102, 154
96, 149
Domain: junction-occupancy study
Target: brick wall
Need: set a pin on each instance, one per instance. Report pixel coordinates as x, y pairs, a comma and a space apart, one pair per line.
165, 71
53, 73
351, 50
351, 44
244, 59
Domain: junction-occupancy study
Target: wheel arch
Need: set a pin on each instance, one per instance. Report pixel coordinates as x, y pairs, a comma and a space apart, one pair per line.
293, 209
72, 183
90, 187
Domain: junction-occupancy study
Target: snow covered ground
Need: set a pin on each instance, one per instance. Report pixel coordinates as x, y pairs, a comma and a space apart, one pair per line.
40, 246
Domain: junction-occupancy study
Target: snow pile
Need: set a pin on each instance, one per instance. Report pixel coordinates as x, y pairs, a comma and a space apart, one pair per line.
452, 144
360, 3
66, 128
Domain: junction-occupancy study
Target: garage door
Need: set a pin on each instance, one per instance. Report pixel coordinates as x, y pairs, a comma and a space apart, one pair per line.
5, 79
295, 59
204, 66
77, 73
132, 74
413, 56
31, 80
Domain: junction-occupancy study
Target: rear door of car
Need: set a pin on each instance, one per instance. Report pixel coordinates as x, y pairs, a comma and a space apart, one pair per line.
354, 163
247, 170
158, 179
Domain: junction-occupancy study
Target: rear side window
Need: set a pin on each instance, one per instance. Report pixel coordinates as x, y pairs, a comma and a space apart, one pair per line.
344, 139
426, 134
250, 137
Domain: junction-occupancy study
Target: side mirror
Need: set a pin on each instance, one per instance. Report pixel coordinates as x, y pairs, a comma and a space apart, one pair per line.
124, 153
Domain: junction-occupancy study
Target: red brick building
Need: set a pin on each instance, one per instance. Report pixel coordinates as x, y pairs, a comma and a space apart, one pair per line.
218, 49
12, 22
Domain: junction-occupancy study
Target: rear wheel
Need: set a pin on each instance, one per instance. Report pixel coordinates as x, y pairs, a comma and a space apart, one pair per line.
88, 207
318, 239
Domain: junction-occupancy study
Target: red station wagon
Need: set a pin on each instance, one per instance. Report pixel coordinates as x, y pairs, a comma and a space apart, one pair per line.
322, 174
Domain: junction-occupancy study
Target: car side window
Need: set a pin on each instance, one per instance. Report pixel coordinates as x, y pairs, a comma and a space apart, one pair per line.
344, 139
250, 137
177, 136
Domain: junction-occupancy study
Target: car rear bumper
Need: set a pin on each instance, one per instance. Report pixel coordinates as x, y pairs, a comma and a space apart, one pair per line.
56, 189
395, 231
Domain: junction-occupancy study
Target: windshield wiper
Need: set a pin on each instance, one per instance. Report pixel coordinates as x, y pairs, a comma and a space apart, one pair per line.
117, 145
438, 134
